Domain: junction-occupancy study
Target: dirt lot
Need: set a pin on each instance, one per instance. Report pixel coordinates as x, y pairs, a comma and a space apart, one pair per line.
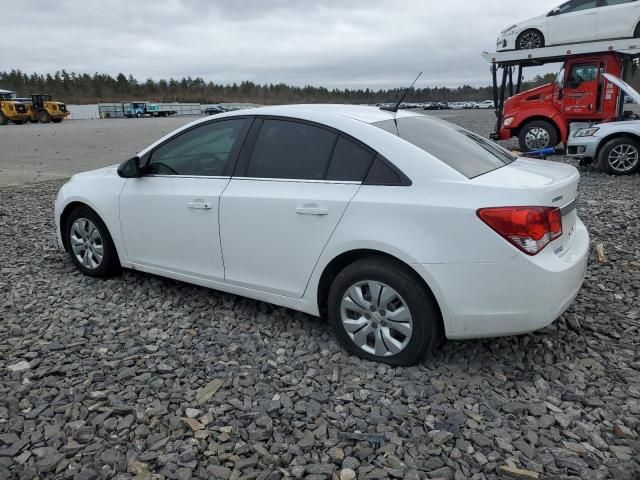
146, 377
35, 153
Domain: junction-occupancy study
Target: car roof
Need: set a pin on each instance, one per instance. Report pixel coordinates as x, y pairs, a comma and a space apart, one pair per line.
363, 113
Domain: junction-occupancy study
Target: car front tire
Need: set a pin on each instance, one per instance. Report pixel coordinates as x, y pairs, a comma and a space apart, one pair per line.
381, 312
620, 156
89, 244
530, 39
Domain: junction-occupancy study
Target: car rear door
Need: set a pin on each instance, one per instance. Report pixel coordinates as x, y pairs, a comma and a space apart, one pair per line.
169, 216
294, 181
575, 21
617, 18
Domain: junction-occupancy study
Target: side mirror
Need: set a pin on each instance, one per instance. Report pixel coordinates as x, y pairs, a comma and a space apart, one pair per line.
130, 168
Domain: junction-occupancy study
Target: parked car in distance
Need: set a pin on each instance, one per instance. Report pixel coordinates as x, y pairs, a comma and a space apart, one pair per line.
337, 210
457, 105
214, 110
485, 104
574, 21
615, 146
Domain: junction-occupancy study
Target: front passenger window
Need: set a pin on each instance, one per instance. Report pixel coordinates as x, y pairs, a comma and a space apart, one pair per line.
202, 151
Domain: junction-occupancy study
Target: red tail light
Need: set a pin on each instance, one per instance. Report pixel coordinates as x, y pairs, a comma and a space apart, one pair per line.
528, 228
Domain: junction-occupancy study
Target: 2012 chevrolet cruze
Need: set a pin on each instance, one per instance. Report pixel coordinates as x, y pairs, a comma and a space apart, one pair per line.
399, 227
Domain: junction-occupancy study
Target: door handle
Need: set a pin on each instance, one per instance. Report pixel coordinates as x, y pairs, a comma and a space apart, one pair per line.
199, 205
311, 209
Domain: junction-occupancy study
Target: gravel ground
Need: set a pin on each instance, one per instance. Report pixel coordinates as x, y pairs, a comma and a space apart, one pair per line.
144, 377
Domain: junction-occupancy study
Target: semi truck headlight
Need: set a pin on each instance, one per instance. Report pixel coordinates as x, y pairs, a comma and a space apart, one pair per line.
507, 121
586, 132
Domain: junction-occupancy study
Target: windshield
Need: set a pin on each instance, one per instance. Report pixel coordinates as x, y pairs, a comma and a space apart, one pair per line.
462, 150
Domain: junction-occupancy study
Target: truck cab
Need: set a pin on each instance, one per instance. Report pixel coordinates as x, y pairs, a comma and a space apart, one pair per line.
11, 109
541, 117
136, 109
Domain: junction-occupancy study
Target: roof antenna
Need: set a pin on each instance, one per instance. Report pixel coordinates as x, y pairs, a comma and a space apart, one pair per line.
406, 92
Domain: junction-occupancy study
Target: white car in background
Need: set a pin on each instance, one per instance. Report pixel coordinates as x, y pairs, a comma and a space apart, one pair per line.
399, 227
487, 104
615, 146
574, 21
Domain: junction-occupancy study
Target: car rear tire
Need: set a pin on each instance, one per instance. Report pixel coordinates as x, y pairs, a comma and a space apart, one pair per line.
530, 39
537, 135
44, 117
89, 244
620, 156
381, 312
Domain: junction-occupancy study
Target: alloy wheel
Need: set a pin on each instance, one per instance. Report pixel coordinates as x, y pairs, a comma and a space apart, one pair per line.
86, 243
530, 40
376, 318
623, 158
537, 138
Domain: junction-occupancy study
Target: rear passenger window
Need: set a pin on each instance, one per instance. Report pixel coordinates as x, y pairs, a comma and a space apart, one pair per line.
350, 161
286, 149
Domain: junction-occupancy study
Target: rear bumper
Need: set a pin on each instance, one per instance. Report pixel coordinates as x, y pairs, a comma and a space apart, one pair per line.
518, 296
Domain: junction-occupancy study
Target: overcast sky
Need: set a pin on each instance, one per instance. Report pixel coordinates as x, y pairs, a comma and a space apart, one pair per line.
348, 43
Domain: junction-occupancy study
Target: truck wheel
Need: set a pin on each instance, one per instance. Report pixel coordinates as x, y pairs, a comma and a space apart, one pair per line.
537, 135
529, 39
44, 117
139, 114
3, 119
620, 156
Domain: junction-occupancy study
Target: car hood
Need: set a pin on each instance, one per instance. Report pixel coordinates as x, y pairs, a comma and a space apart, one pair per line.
624, 86
100, 172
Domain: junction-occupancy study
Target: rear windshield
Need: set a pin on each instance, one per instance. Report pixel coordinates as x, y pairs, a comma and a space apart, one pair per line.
466, 152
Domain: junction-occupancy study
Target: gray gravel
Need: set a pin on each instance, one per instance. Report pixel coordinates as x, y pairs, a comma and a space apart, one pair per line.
143, 377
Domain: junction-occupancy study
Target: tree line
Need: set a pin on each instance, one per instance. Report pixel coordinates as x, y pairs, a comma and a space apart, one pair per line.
83, 88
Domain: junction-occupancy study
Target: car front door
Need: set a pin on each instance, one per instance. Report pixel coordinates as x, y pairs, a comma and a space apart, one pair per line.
574, 21
169, 216
294, 182
617, 18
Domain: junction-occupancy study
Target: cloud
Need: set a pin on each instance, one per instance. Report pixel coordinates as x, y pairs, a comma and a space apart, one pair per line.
356, 44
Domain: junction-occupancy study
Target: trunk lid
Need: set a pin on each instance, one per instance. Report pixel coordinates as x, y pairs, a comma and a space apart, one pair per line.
554, 184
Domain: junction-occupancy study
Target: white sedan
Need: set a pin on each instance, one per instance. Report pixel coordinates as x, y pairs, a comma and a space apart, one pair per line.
399, 227
575, 21
485, 105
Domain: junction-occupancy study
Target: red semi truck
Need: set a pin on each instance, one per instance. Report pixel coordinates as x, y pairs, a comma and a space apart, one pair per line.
542, 117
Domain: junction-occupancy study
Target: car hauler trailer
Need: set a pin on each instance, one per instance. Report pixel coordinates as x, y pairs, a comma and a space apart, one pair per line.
542, 117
